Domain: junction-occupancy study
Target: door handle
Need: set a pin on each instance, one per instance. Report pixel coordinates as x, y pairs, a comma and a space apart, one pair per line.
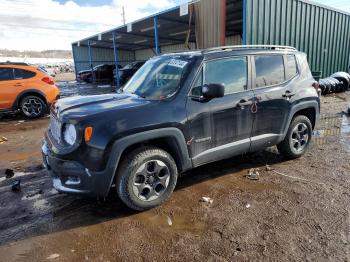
18, 84
288, 94
244, 103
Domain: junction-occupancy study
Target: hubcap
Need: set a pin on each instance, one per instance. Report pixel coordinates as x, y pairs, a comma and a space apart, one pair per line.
32, 107
300, 137
151, 180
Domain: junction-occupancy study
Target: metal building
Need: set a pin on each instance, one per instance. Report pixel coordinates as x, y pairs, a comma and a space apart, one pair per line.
320, 31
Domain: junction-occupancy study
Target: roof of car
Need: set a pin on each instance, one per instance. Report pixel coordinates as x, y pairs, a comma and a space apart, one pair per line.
14, 63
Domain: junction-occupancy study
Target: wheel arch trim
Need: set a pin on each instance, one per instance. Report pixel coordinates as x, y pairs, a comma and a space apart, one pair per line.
119, 146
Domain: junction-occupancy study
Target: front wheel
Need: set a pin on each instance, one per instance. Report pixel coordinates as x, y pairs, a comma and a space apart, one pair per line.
297, 139
146, 178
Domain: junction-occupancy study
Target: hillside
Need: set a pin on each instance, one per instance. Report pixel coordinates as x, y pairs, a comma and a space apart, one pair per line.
64, 54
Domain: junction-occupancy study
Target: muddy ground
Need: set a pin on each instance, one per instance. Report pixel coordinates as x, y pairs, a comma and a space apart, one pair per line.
299, 211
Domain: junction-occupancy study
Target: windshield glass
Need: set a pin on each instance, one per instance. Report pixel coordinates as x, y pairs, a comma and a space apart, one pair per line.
159, 77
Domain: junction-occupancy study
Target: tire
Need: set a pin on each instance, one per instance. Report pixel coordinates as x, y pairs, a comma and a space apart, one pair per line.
294, 146
135, 184
32, 106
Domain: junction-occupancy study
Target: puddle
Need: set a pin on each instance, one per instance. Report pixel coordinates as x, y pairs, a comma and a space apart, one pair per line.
332, 127
172, 223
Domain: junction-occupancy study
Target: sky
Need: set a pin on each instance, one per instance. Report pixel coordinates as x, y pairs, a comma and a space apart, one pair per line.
55, 24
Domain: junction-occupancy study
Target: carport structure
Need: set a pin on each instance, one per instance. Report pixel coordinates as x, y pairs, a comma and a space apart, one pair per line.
138, 40
168, 31
320, 31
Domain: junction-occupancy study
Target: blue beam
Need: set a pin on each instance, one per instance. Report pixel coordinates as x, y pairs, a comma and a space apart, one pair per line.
117, 80
91, 65
156, 38
244, 40
75, 61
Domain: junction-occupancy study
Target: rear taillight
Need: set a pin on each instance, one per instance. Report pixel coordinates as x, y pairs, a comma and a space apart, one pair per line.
316, 85
48, 80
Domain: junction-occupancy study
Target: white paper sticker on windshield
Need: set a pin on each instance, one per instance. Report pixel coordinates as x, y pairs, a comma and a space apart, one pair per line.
177, 63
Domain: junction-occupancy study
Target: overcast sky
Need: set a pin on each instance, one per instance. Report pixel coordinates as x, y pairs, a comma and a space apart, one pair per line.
55, 24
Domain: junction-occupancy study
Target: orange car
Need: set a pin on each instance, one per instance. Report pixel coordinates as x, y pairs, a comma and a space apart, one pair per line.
26, 88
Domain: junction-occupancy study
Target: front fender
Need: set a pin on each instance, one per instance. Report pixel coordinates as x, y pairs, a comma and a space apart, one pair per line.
106, 177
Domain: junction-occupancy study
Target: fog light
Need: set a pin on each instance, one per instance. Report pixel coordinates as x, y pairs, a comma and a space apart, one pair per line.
73, 180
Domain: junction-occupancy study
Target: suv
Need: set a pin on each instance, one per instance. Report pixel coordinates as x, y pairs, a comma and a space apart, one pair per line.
26, 88
180, 111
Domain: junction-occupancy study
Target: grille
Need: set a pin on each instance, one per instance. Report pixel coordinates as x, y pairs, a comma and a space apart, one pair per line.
55, 128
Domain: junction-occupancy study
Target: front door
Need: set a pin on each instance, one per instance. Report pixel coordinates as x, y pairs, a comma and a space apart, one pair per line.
221, 127
273, 82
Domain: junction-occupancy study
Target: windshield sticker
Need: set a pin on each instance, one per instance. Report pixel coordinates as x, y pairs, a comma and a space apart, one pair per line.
177, 63
168, 76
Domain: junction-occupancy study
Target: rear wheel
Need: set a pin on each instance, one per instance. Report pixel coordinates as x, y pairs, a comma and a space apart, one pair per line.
146, 178
32, 106
297, 139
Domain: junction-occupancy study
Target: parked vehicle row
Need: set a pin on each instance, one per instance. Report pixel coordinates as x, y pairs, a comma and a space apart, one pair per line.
26, 88
337, 82
180, 111
107, 73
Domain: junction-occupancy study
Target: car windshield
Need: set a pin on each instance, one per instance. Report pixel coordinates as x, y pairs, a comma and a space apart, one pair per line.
159, 77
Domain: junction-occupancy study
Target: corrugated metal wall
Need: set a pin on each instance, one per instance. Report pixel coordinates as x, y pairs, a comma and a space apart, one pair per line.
324, 34
234, 40
99, 56
208, 21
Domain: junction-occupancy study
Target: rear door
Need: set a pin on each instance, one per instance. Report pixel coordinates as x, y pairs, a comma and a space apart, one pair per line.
273, 78
7, 88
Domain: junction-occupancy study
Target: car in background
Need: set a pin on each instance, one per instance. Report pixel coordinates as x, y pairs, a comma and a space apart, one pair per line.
128, 71
27, 89
103, 73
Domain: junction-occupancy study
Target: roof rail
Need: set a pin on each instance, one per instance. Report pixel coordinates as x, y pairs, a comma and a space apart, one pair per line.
14, 63
272, 47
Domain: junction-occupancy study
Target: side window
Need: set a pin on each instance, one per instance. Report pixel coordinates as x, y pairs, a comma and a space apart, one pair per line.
6, 74
197, 88
269, 70
291, 66
23, 74
232, 72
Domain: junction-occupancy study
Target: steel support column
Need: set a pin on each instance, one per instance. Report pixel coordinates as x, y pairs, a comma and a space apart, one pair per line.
156, 38
244, 33
75, 62
117, 79
91, 65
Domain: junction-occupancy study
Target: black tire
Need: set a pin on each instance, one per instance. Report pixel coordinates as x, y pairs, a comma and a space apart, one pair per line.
293, 145
138, 185
32, 106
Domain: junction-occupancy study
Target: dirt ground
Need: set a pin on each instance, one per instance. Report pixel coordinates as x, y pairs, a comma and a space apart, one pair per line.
297, 211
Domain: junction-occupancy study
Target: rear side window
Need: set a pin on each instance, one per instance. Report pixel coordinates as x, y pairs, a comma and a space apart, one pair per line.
269, 70
291, 66
23, 74
6, 74
232, 72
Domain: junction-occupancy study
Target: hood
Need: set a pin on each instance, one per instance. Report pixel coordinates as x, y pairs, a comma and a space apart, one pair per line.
83, 106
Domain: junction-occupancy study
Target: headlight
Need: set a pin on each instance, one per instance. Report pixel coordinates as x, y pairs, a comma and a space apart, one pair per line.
69, 134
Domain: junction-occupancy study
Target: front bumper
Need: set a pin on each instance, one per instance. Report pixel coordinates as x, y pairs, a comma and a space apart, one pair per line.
73, 178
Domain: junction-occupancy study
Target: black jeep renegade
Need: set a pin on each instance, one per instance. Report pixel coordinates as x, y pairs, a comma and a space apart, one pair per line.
180, 111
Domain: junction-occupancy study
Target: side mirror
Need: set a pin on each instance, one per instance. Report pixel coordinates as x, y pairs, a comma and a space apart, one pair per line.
211, 91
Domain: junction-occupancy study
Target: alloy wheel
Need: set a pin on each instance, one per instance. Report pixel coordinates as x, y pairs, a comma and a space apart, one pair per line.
300, 137
151, 180
32, 107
